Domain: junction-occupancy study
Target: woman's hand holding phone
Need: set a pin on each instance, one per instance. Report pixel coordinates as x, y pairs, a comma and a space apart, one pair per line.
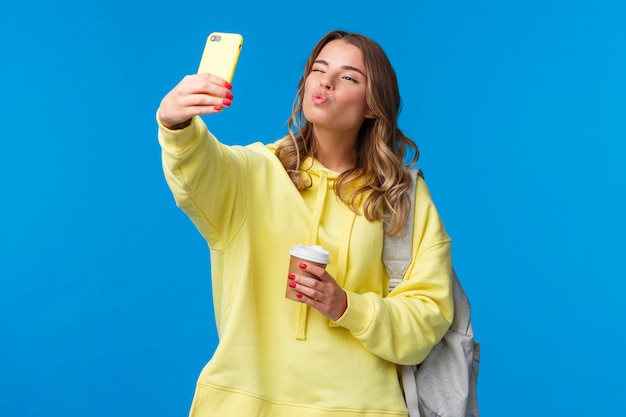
195, 95
209, 91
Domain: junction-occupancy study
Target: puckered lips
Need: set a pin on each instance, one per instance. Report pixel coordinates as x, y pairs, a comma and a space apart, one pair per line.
319, 98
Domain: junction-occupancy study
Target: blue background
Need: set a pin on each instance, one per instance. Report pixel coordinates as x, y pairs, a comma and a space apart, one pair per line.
518, 109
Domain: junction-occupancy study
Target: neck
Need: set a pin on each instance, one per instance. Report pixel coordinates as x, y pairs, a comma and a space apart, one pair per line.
335, 150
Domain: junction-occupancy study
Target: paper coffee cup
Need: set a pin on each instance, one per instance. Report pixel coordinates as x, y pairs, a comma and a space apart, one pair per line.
301, 253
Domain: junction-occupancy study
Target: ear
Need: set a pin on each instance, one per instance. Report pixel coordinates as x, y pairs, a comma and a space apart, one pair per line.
369, 114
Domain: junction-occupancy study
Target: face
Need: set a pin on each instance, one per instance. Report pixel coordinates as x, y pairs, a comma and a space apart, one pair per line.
334, 90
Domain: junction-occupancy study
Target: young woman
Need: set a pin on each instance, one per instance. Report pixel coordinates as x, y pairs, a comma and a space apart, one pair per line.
333, 181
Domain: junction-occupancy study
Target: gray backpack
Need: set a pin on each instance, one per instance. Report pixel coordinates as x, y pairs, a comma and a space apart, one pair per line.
444, 384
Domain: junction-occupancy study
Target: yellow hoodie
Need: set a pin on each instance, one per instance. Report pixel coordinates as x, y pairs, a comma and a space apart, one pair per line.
277, 357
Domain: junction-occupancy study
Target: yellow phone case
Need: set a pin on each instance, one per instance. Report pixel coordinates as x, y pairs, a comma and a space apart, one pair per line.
221, 53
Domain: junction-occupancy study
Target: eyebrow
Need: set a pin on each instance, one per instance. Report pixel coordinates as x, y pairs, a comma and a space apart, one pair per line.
347, 67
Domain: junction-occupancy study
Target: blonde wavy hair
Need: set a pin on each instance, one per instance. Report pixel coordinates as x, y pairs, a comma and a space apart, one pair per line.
380, 174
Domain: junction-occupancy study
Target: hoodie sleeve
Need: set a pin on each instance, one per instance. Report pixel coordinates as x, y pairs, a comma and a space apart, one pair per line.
403, 327
206, 179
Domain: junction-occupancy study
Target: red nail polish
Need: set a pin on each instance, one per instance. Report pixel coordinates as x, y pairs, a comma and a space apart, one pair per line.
227, 85
292, 284
299, 295
227, 102
217, 108
291, 276
229, 96
302, 266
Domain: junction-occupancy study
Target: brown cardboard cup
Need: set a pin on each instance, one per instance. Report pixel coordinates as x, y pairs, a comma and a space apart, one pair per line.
309, 254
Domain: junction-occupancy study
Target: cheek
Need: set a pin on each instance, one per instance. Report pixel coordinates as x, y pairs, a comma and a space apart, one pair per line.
355, 99
309, 83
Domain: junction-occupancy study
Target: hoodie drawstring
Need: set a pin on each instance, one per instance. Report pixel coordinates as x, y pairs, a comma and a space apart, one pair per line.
303, 309
342, 257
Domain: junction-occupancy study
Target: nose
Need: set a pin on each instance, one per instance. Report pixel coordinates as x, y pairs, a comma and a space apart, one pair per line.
326, 83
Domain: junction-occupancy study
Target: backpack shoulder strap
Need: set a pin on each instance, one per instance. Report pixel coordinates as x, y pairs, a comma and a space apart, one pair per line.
444, 384
398, 254
398, 249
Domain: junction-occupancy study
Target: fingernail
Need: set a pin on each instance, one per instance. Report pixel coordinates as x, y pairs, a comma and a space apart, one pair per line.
229, 96
227, 102
291, 276
227, 85
299, 295
217, 108
303, 266
292, 284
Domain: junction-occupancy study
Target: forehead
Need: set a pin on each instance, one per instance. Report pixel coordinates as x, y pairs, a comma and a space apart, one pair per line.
340, 53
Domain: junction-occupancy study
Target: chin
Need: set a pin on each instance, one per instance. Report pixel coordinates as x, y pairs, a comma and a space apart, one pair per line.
313, 115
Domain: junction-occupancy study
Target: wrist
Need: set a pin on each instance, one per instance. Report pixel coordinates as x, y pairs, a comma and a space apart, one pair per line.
172, 126
179, 126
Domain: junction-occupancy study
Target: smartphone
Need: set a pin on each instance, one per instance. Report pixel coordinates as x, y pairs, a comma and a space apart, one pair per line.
221, 53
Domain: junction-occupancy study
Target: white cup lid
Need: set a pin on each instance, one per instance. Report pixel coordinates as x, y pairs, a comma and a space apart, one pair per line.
313, 253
